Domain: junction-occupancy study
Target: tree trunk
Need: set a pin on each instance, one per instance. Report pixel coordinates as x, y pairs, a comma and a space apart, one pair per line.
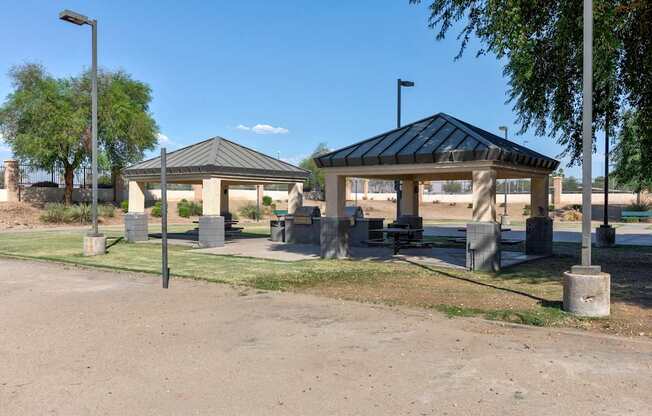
638, 197
114, 182
69, 174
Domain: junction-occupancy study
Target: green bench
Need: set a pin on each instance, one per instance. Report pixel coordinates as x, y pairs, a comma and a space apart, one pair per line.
636, 214
280, 212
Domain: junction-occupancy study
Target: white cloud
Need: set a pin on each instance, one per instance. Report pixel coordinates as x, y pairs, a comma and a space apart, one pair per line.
163, 140
263, 129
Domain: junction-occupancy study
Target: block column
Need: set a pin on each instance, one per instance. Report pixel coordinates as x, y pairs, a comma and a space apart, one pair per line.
349, 190
12, 180
211, 223
365, 189
538, 228
557, 190
483, 234
136, 218
224, 200
410, 198
335, 227
295, 197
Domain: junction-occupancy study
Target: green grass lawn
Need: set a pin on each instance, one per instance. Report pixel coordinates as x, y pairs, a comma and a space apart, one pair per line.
530, 293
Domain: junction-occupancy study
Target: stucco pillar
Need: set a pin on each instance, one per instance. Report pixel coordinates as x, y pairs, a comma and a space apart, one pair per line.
484, 195
260, 193
557, 190
422, 190
12, 180
335, 195
539, 198
136, 219
198, 190
224, 200
295, 196
212, 196
136, 197
365, 189
410, 198
335, 227
349, 190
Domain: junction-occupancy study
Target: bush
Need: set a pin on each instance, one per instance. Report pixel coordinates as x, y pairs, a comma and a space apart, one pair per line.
551, 207
156, 209
572, 215
526, 210
250, 211
124, 206
79, 213
45, 184
54, 213
631, 219
267, 200
187, 209
639, 206
106, 210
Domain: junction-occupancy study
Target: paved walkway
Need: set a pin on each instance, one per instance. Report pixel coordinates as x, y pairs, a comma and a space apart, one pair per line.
79, 342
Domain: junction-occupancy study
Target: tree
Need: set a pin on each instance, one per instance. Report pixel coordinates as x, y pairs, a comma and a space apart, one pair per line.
541, 45
46, 120
570, 184
631, 157
452, 187
316, 179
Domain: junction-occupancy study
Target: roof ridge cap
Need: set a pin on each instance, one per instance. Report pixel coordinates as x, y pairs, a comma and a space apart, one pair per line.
460, 125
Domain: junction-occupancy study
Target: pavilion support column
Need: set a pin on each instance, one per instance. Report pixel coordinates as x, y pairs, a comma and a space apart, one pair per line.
335, 227
365, 189
295, 197
410, 198
349, 190
211, 223
136, 218
422, 190
483, 234
538, 228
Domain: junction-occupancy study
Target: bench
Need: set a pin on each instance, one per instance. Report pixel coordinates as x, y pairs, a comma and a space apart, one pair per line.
637, 214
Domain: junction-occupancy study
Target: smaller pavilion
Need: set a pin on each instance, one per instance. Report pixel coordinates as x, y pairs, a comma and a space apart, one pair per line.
441, 147
215, 164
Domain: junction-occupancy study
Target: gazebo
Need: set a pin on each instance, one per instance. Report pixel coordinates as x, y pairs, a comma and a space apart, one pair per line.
215, 164
441, 147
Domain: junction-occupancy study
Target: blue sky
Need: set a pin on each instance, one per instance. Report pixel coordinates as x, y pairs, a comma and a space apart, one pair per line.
303, 71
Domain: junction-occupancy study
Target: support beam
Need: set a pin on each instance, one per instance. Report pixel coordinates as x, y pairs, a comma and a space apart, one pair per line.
335, 195
295, 197
484, 195
410, 198
212, 196
136, 197
539, 199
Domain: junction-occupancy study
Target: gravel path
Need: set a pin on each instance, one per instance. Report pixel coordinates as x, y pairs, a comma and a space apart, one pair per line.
80, 342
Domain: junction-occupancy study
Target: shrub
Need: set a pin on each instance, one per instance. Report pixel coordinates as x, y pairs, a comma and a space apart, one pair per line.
45, 184
267, 200
156, 209
79, 213
187, 209
106, 210
639, 206
54, 213
572, 215
250, 211
631, 219
124, 206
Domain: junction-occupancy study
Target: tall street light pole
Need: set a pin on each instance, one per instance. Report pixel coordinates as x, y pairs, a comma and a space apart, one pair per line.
505, 182
397, 183
95, 239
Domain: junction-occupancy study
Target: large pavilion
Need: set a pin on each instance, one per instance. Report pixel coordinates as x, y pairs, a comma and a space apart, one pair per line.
441, 147
215, 164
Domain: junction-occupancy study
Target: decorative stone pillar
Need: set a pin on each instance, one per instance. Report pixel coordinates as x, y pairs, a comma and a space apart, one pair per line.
335, 227
483, 234
539, 227
410, 198
557, 190
12, 180
295, 197
211, 223
136, 219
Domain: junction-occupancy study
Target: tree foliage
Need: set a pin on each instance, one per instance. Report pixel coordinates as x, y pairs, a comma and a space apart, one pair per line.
47, 120
540, 42
632, 155
316, 180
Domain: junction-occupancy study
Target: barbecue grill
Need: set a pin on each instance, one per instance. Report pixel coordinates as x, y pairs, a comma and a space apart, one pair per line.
304, 226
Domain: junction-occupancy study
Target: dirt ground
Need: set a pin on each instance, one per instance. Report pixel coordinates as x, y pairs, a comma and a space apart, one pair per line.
89, 342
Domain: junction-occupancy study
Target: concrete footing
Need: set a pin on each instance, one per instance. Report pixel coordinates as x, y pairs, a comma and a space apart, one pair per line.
587, 292
211, 231
605, 236
538, 236
483, 246
334, 237
94, 245
136, 227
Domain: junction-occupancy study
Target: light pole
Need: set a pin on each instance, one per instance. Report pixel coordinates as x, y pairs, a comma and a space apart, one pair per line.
94, 238
505, 182
397, 184
587, 290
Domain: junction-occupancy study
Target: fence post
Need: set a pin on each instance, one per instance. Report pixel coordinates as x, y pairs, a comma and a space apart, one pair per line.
12, 180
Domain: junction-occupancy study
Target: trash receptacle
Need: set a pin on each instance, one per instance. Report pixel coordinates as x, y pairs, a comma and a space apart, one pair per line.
277, 230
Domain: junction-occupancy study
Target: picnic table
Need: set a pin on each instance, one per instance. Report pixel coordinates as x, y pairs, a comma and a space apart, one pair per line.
505, 241
401, 237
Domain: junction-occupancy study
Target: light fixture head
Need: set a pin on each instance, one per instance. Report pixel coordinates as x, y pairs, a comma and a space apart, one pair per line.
502, 128
72, 17
407, 83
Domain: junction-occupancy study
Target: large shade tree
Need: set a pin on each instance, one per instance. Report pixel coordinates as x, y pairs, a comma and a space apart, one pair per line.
540, 42
633, 169
316, 180
46, 120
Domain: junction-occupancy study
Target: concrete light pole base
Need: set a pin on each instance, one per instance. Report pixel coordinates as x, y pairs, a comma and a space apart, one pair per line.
587, 291
94, 245
605, 236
